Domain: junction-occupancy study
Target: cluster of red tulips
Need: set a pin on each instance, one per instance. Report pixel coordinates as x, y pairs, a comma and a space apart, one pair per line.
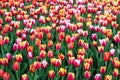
59, 39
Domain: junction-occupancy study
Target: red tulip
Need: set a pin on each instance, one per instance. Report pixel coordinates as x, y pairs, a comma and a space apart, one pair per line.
16, 66
51, 74
116, 72
37, 65
9, 56
6, 76
62, 72
24, 77
97, 77
18, 57
58, 46
106, 56
76, 62
71, 76
103, 69
87, 74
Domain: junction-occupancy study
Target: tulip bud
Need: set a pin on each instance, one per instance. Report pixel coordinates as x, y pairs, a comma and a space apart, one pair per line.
108, 77
87, 74
58, 62
71, 76
51, 74
15, 47
44, 64
1, 72
106, 56
76, 62
86, 66
6, 76
18, 57
6, 40
9, 56
116, 72
58, 46
24, 77
37, 65
42, 54
62, 72
100, 49
103, 69
50, 53
30, 55
16, 66
97, 77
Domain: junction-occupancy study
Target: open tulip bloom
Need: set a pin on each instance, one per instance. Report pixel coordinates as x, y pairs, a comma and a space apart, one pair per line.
59, 39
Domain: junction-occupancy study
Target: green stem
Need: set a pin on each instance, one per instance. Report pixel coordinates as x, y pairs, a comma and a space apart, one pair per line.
77, 73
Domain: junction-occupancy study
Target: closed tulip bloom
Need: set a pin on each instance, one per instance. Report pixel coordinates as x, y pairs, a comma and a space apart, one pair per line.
97, 77
108, 77
24, 77
16, 66
6, 40
37, 65
51, 74
76, 62
50, 43
58, 46
42, 54
30, 55
87, 74
70, 53
58, 62
6, 76
44, 64
71, 76
106, 56
29, 48
100, 49
9, 56
50, 53
86, 66
61, 56
116, 72
62, 72
18, 57
103, 69
1, 72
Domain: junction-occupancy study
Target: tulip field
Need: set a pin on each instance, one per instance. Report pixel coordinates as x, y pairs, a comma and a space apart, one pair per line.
59, 39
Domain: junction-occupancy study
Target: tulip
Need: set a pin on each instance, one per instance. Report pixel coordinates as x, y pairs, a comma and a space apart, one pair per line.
71, 76
6, 40
71, 60
62, 72
61, 56
9, 56
15, 47
18, 57
108, 77
102, 42
58, 46
76, 62
1, 73
42, 47
16, 66
70, 53
68, 38
97, 77
51, 74
24, 77
112, 52
50, 53
94, 43
44, 64
86, 66
50, 43
71, 45
49, 36
29, 48
42, 54
80, 42
100, 49
94, 36
6, 76
30, 55
87, 74
58, 62
106, 56
37, 65
116, 72
32, 69
103, 69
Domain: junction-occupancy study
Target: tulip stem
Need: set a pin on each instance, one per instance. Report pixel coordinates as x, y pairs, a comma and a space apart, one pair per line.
77, 73
17, 75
